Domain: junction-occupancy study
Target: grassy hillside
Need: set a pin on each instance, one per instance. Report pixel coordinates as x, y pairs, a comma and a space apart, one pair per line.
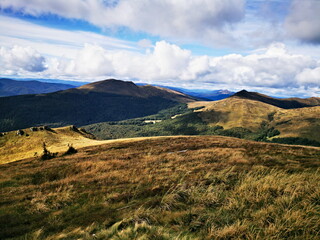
302, 122
193, 188
14, 147
253, 115
234, 117
236, 112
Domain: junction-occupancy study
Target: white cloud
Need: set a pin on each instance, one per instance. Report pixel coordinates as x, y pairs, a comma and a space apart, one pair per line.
303, 21
53, 42
275, 70
21, 59
169, 64
204, 20
91, 61
145, 43
309, 76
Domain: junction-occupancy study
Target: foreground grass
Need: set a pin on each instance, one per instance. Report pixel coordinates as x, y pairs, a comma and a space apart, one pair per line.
165, 188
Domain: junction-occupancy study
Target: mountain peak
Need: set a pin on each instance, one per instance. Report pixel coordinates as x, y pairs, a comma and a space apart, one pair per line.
242, 93
108, 83
288, 103
128, 88
113, 86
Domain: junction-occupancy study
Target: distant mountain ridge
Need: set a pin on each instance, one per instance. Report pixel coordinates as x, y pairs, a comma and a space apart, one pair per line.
128, 88
286, 103
9, 87
201, 94
242, 115
108, 100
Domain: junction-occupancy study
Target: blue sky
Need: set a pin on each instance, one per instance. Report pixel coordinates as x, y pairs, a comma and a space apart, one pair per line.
269, 46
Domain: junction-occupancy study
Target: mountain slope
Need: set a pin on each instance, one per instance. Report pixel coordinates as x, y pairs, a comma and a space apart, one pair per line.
286, 103
109, 100
302, 122
16, 147
127, 88
204, 187
251, 113
9, 87
234, 116
236, 112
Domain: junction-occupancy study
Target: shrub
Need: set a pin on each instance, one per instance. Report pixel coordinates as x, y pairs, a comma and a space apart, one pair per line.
296, 141
71, 150
46, 154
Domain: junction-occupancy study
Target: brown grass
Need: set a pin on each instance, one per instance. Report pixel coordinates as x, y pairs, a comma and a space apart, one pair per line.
165, 188
237, 112
15, 148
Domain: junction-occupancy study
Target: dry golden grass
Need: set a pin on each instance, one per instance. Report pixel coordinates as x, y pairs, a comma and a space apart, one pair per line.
207, 187
250, 114
198, 104
237, 112
14, 147
301, 122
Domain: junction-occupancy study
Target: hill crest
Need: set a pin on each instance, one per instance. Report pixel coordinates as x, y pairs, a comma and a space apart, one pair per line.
286, 103
128, 88
28, 142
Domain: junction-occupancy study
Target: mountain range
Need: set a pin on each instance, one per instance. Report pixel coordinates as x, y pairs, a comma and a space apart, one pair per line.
12, 87
61, 183
202, 94
245, 114
108, 100
9, 87
99, 103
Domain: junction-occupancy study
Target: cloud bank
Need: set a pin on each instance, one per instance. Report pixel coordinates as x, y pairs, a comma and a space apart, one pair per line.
21, 59
48, 52
212, 22
166, 63
201, 19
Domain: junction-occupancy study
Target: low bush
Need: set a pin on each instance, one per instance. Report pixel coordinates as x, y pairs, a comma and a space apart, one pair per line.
71, 150
46, 154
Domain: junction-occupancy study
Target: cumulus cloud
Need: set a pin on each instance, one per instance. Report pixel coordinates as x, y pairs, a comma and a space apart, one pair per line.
310, 76
303, 21
201, 19
91, 61
21, 59
164, 63
274, 68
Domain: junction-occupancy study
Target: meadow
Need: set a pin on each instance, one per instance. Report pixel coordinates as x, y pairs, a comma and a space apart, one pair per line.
183, 187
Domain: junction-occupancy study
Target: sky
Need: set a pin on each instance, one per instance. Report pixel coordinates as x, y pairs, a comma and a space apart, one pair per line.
269, 46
